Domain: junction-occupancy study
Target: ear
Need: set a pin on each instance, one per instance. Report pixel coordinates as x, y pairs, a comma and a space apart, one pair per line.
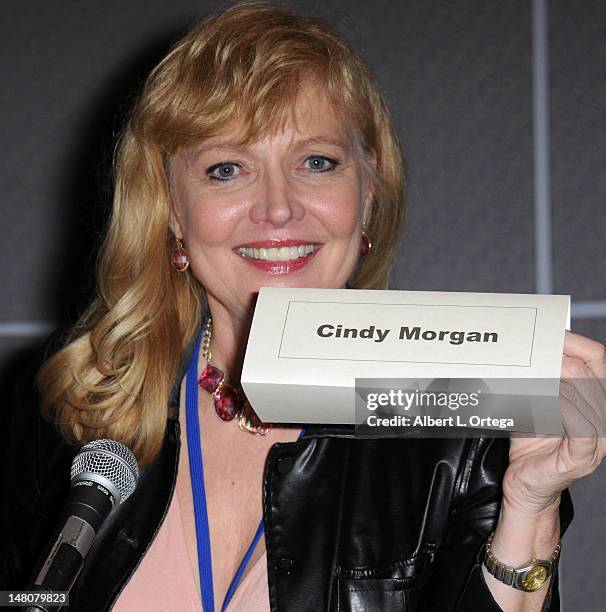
370, 170
174, 221
367, 207
174, 218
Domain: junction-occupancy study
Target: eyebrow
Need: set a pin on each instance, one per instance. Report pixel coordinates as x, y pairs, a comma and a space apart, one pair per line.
298, 145
301, 144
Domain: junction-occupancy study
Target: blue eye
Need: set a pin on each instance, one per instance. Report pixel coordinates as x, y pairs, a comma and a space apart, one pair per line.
223, 171
321, 163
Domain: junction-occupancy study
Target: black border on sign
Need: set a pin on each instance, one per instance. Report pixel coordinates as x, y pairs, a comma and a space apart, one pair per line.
514, 365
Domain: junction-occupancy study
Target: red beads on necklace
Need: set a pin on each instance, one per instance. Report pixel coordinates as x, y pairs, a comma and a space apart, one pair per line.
211, 378
227, 400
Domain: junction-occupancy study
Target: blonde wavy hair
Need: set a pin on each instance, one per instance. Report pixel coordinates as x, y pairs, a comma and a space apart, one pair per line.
114, 374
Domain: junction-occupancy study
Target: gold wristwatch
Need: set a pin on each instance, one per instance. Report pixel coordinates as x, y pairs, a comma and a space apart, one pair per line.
528, 577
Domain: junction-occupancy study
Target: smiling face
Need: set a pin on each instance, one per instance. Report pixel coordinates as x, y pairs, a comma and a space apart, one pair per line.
283, 211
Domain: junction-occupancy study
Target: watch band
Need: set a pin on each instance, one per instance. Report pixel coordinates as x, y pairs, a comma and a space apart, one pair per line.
528, 577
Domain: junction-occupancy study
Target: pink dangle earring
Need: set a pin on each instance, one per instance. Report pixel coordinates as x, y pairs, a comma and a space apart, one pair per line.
179, 259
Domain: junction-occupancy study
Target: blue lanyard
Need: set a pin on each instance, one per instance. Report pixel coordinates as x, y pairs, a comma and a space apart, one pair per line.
196, 470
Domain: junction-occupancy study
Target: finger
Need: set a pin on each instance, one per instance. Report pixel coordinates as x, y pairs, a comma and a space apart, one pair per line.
592, 352
581, 441
573, 367
581, 416
592, 388
583, 456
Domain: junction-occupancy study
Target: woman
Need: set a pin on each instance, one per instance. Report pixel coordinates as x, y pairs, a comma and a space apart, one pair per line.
260, 153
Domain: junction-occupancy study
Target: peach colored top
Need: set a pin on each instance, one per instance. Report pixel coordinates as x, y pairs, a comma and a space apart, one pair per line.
166, 579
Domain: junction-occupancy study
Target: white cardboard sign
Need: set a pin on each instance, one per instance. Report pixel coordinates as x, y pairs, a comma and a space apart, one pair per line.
307, 346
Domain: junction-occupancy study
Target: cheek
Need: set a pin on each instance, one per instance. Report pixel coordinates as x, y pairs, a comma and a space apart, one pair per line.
210, 225
341, 212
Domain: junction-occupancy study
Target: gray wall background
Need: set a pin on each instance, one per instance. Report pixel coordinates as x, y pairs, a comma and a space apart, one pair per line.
500, 109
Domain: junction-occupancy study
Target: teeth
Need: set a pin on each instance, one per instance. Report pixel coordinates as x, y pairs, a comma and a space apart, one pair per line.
277, 254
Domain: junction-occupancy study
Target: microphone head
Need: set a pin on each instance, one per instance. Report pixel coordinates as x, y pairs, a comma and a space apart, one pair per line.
108, 463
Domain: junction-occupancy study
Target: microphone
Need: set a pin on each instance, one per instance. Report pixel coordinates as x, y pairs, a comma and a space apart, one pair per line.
104, 474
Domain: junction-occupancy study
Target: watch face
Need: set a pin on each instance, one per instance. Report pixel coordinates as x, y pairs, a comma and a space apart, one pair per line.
534, 578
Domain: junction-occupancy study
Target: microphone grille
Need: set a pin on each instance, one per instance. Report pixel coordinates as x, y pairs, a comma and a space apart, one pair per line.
111, 460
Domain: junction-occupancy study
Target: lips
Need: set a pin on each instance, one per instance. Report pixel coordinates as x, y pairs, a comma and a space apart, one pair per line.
283, 253
278, 256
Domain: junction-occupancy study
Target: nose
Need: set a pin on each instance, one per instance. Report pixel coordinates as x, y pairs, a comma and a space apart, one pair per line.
276, 201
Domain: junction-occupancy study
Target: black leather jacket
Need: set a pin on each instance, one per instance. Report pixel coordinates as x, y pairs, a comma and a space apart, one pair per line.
351, 524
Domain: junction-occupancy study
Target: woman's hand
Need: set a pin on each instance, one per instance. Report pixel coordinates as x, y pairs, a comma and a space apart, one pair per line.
541, 468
